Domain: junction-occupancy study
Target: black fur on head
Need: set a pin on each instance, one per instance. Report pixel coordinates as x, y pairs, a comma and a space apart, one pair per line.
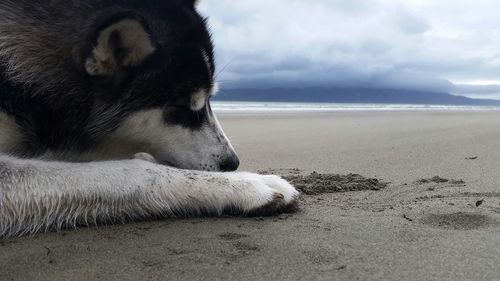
98, 63
181, 63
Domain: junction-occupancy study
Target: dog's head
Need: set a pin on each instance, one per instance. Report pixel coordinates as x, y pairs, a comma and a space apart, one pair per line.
152, 71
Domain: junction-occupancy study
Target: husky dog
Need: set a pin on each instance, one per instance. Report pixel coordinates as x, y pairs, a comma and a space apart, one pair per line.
105, 117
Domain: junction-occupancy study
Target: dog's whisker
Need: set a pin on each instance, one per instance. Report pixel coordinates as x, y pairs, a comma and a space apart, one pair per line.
219, 72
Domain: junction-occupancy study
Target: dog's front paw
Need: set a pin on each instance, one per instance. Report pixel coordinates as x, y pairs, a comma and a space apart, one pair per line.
267, 195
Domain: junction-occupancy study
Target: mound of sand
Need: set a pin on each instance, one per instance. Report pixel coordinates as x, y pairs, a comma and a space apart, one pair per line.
316, 183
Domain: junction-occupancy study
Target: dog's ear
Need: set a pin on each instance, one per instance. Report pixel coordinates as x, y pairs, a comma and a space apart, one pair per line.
120, 43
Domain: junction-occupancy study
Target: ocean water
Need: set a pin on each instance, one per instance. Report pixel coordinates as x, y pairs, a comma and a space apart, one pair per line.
284, 107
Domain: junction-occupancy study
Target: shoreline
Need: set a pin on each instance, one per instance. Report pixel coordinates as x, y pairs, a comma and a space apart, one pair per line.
349, 113
248, 108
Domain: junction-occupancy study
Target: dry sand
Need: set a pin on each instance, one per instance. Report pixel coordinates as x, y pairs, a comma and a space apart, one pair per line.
437, 219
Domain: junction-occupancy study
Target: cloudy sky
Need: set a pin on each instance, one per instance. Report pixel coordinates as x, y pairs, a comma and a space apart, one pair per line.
451, 46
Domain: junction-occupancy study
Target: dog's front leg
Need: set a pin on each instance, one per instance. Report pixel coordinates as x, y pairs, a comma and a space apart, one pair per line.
251, 187
40, 196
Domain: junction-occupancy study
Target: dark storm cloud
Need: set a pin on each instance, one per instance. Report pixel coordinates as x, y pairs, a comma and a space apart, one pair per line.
414, 44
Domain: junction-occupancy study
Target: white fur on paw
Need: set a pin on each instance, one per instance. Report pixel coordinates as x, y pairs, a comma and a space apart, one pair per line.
145, 156
283, 187
264, 194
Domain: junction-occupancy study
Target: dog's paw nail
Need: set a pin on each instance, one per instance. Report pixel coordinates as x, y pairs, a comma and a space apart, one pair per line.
278, 196
275, 206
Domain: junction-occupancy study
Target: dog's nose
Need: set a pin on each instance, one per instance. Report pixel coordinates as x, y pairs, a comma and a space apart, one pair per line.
230, 164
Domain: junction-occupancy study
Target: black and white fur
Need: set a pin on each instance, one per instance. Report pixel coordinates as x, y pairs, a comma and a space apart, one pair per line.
105, 117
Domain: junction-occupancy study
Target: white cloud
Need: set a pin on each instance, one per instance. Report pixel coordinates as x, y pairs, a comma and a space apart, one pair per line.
418, 43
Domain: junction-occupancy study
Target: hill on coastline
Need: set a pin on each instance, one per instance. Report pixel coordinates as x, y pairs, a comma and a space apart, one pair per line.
348, 95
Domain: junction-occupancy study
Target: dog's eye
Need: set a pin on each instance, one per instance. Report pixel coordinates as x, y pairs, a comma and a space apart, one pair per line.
183, 115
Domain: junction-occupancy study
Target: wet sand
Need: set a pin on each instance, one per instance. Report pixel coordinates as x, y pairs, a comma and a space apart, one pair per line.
394, 196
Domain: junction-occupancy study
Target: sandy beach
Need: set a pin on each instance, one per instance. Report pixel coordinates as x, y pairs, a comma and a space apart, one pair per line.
431, 213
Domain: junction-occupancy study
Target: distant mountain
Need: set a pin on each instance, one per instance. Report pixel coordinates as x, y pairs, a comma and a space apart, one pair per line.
348, 95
